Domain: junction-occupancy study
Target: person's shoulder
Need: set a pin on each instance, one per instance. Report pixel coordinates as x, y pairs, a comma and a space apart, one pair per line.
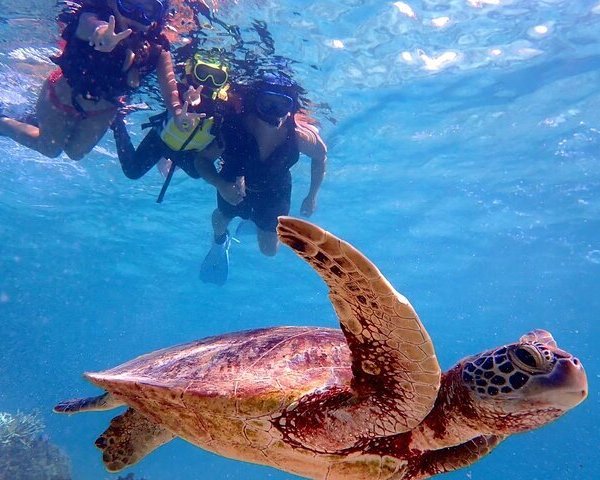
236, 137
309, 138
307, 131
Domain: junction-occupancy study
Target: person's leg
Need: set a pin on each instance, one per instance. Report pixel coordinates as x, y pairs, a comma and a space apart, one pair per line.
225, 212
268, 206
86, 134
220, 223
54, 126
135, 163
186, 160
125, 148
267, 242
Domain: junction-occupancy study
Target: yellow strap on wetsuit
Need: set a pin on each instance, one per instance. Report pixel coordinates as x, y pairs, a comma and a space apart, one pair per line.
198, 139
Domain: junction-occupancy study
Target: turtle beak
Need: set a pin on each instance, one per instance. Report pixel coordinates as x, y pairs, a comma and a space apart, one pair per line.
566, 387
574, 390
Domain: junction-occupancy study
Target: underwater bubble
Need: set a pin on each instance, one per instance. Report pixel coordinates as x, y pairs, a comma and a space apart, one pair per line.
593, 256
405, 9
440, 21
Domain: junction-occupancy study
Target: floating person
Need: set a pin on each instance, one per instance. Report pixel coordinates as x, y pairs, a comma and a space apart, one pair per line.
205, 92
262, 143
367, 401
109, 47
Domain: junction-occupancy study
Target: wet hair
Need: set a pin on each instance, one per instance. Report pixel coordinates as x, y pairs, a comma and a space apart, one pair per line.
69, 8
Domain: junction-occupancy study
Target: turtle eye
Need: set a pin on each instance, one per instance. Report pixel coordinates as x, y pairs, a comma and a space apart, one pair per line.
528, 358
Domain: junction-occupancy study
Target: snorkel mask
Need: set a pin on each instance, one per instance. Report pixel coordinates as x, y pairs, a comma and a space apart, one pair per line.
144, 12
275, 97
212, 76
271, 106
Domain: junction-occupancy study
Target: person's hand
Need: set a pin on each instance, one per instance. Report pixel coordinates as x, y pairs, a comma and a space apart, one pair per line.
233, 193
192, 96
104, 38
309, 205
186, 121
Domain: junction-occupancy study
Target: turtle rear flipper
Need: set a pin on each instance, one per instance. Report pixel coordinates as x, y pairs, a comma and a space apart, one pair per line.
89, 404
129, 438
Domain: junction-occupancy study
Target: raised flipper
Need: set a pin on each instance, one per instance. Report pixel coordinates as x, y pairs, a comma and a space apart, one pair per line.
396, 375
452, 458
89, 404
129, 438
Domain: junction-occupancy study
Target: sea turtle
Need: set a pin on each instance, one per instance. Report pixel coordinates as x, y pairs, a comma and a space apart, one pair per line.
364, 402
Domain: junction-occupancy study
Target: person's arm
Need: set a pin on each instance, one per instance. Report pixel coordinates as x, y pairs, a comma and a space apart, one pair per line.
184, 120
205, 167
168, 84
311, 144
232, 193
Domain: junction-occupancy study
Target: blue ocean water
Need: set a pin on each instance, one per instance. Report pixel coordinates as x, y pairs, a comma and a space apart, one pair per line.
464, 160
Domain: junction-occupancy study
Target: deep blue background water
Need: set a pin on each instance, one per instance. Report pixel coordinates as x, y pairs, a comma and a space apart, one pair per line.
474, 187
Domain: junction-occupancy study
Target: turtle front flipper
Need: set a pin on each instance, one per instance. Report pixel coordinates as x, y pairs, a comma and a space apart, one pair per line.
396, 375
452, 458
129, 438
90, 404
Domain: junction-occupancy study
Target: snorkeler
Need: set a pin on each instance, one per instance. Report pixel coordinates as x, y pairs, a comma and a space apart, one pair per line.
110, 46
262, 143
204, 89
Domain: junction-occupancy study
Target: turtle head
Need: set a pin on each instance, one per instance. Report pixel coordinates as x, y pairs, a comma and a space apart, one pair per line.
523, 385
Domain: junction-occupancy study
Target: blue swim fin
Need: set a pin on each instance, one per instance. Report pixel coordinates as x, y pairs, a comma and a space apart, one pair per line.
215, 266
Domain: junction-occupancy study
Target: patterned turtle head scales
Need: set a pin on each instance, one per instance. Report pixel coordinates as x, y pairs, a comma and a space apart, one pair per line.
524, 385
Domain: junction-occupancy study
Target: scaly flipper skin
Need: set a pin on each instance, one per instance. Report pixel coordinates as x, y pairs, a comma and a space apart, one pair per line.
451, 458
100, 403
396, 375
129, 438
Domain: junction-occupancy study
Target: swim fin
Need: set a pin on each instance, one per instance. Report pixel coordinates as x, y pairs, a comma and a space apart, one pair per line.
215, 267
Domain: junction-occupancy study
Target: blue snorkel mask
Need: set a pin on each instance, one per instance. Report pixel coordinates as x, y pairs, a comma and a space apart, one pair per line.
144, 12
273, 105
275, 98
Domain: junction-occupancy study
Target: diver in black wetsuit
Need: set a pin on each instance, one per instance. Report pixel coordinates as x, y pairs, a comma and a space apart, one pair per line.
204, 90
261, 145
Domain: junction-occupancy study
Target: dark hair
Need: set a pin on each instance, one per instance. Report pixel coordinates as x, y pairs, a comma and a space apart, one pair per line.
70, 8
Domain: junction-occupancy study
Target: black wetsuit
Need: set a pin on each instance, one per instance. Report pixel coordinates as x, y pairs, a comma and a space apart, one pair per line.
137, 162
268, 182
99, 75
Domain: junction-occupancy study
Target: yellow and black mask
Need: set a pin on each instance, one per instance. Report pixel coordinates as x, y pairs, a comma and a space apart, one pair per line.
211, 75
